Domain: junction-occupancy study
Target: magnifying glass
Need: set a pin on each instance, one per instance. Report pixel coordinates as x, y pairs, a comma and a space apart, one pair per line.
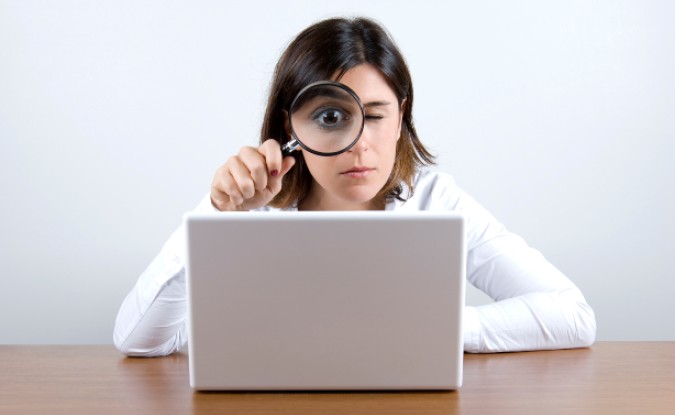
326, 118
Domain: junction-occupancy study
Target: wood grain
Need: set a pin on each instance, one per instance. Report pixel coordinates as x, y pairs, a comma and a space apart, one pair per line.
610, 378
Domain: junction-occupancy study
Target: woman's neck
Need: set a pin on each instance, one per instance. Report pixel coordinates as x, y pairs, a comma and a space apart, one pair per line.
321, 200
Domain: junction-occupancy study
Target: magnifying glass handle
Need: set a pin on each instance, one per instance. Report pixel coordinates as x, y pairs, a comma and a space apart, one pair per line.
289, 147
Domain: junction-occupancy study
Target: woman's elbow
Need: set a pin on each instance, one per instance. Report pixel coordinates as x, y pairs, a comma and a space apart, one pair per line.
584, 325
134, 349
140, 352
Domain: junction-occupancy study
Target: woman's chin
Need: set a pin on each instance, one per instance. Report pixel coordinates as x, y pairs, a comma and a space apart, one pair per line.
360, 197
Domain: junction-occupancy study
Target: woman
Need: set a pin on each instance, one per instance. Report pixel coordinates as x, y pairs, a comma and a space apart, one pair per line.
536, 307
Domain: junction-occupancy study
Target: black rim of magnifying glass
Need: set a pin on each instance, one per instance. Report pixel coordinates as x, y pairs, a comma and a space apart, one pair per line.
289, 147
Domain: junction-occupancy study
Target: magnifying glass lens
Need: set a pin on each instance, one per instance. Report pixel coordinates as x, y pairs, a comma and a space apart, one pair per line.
326, 118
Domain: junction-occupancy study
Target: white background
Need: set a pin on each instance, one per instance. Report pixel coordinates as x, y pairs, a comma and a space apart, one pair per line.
559, 117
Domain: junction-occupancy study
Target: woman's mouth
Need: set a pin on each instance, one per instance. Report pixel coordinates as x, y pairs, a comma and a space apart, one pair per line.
358, 172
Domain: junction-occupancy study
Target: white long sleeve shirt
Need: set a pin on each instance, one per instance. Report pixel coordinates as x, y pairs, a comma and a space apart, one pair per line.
536, 307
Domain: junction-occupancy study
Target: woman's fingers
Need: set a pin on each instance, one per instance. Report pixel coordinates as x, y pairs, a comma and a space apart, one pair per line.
251, 171
275, 182
250, 179
271, 150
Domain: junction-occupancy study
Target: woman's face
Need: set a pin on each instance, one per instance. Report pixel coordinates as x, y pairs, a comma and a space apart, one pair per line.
350, 181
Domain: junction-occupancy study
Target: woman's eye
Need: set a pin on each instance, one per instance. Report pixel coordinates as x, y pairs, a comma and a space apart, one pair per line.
330, 118
374, 117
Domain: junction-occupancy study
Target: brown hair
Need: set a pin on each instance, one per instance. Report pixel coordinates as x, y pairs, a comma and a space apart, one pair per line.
318, 53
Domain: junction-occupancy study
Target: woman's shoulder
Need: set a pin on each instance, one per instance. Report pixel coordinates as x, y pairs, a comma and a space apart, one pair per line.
435, 190
431, 190
432, 178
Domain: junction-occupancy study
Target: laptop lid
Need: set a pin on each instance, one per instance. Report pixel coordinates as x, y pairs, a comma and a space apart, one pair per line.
325, 300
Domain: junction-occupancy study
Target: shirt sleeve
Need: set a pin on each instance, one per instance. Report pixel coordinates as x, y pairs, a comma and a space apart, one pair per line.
152, 320
536, 307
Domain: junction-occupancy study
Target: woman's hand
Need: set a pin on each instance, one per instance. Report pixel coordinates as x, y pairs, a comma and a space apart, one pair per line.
250, 179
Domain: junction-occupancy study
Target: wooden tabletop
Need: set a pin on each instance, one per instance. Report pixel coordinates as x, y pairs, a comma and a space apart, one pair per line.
610, 378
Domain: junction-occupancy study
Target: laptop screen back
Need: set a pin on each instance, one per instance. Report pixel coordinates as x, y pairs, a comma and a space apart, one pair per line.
325, 300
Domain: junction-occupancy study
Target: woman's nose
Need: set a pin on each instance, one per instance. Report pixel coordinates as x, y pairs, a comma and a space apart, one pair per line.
363, 143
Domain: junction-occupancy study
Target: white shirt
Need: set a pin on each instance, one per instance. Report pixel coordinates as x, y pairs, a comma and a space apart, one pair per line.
536, 307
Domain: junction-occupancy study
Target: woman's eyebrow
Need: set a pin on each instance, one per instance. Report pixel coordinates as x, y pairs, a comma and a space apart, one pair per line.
376, 104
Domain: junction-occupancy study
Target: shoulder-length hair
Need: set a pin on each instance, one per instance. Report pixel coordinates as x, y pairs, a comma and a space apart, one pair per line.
331, 47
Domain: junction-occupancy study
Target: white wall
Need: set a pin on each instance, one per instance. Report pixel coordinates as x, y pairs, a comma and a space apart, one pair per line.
558, 116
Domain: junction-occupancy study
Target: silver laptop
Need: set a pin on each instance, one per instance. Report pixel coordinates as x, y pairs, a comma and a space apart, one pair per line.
325, 300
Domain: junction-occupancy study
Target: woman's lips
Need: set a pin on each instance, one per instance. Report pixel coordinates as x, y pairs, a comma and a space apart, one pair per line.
358, 172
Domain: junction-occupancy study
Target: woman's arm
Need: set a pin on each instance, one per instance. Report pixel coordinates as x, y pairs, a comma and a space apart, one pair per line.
152, 320
536, 306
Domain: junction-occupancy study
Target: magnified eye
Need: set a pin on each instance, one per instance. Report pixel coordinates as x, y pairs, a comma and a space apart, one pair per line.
330, 118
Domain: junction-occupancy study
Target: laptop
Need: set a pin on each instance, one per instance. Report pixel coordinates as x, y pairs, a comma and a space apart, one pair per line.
325, 300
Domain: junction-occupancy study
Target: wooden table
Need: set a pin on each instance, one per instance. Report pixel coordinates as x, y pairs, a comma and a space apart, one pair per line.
611, 378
